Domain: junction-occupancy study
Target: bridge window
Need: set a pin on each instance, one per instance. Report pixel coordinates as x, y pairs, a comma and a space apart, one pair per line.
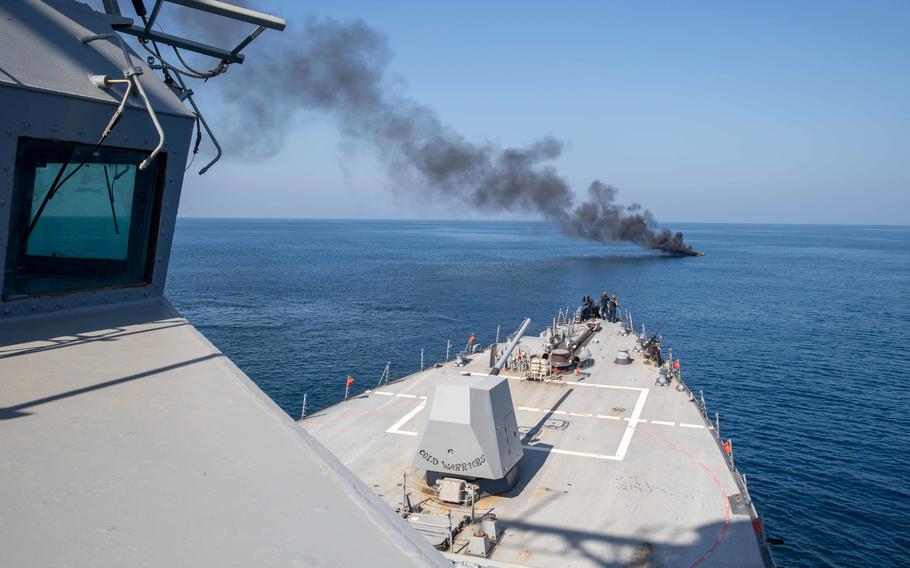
82, 218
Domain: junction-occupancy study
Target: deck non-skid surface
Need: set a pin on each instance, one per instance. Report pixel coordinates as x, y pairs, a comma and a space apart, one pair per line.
617, 471
127, 439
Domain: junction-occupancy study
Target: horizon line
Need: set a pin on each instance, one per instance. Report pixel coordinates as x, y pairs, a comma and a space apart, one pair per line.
493, 220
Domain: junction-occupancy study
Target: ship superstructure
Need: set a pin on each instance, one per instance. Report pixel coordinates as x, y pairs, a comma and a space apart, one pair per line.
126, 438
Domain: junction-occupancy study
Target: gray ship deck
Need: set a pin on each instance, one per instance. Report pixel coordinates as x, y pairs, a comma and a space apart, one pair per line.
617, 471
127, 439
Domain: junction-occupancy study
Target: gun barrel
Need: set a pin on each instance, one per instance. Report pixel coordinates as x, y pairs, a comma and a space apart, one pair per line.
511, 347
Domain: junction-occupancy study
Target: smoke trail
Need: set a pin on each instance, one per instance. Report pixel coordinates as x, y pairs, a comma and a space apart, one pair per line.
340, 69
599, 218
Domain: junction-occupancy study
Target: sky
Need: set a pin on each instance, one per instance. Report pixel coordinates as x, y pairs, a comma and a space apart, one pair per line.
780, 112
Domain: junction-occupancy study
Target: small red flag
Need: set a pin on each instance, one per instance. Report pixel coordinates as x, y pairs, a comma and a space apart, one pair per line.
350, 380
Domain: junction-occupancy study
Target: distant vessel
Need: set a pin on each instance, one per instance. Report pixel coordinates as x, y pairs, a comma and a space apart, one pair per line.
129, 440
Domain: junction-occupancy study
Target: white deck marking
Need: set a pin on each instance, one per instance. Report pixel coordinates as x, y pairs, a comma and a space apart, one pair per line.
607, 417
398, 394
571, 453
404, 420
630, 429
624, 442
574, 383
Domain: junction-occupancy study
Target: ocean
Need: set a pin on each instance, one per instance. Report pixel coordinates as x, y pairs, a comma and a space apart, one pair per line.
797, 335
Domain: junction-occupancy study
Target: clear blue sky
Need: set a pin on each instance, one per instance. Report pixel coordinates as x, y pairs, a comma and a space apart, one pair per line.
794, 112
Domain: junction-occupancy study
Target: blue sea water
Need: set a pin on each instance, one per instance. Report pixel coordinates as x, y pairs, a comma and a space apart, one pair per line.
798, 336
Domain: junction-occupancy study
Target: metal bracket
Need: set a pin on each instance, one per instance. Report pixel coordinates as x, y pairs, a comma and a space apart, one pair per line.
261, 20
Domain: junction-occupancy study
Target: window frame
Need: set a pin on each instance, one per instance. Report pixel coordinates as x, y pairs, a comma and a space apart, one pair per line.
20, 216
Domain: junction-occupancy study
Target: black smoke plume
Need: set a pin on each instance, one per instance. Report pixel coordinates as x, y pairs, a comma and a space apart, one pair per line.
340, 69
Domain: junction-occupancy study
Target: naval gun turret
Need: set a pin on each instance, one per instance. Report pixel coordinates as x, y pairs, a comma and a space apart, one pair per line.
471, 432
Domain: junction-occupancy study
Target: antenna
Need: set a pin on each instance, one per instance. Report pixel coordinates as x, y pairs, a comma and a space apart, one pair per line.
173, 73
145, 32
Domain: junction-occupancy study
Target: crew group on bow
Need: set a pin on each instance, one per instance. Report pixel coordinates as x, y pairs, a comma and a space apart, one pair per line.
606, 309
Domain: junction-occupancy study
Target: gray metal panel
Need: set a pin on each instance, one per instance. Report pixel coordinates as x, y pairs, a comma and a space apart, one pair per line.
40, 48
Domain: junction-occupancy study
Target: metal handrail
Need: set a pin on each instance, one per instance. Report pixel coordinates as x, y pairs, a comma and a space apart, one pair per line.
234, 12
131, 74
